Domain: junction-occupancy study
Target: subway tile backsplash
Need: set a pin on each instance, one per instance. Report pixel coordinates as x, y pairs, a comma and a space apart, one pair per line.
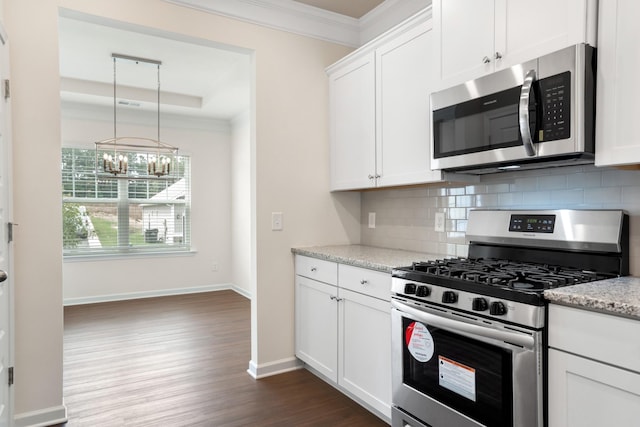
405, 218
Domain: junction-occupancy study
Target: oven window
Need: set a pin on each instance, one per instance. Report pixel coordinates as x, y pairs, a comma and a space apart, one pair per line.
467, 375
481, 124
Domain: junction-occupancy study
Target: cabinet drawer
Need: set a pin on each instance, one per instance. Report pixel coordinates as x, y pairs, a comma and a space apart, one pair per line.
607, 338
369, 282
317, 269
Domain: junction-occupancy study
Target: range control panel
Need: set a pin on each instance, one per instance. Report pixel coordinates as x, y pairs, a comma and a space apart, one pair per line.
532, 223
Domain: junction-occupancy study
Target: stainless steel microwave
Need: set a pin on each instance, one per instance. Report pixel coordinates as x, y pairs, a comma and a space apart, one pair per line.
540, 113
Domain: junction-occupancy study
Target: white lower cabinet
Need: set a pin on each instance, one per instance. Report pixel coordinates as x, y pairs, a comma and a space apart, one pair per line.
343, 332
364, 349
587, 393
317, 325
594, 369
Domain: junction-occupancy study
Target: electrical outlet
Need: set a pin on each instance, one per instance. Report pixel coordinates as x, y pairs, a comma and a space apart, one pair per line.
276, 221
372, 220
439, 225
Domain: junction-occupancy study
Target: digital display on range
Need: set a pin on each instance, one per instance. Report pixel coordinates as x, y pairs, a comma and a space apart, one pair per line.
532, 223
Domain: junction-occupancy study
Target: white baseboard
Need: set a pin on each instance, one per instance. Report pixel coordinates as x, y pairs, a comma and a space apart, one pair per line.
274, 368
156, 293
42, 417
245, 293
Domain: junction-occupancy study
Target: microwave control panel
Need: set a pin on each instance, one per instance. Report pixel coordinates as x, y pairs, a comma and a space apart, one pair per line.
555, 96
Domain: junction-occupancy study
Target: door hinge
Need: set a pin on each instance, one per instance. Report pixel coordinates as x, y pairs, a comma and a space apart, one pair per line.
10, 231
10, 372
7, 89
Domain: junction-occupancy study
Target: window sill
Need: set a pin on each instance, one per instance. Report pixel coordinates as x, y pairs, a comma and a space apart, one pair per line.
127, 256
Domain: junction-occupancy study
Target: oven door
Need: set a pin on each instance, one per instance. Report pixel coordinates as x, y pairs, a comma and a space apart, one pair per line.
450, 369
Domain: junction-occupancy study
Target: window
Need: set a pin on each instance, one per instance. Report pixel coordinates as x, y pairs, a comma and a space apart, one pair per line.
108, 215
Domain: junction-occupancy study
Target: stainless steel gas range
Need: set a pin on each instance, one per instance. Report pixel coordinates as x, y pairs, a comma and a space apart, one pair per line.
469, 334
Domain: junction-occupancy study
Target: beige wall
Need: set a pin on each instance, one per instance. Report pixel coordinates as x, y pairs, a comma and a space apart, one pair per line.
291, 174
208, 145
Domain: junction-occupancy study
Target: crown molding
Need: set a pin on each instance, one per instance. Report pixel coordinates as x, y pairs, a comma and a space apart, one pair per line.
299, 18
285, 15
386, 16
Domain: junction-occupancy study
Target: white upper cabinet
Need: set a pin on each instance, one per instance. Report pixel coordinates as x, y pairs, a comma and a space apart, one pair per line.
379, 110
403, 84
476, 37
463, 39
617, 108
352, 124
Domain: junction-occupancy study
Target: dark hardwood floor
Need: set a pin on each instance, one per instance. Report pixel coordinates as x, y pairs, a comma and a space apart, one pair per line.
182, 361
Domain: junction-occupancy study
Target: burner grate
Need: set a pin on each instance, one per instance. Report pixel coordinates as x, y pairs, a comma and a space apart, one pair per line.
504, 273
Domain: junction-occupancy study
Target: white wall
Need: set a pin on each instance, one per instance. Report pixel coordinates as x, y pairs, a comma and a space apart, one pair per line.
289, 150
241, 203
207, 142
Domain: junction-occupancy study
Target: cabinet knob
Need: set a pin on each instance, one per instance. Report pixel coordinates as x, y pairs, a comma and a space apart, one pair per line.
498, 55
314, 269
332, 297
364, 282
377, 176
486, 60
371, 176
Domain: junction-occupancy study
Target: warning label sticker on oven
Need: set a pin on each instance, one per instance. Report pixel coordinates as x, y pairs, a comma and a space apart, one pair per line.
419, 342
457, 377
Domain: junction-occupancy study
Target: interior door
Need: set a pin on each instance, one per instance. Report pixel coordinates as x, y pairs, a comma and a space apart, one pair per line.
6, 307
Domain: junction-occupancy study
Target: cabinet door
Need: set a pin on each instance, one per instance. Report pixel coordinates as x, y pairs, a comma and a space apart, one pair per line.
526, 30
404, 81
365, 349
585, 393
352, 124
617, 137
316, 314
463, 37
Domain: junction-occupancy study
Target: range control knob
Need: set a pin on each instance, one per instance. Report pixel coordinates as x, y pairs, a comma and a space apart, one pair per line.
479, 304
497, 308
449, 297
423, 291
410, 288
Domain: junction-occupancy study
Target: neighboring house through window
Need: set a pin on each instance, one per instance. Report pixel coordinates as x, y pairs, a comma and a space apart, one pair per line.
105, 214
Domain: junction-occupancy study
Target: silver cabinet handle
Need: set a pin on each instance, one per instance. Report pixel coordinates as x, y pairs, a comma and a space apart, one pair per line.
523, 113
486, 60
364, 282
376, 176
314, 269
3, 276
498, 55
339, 299
371, 176
333, 297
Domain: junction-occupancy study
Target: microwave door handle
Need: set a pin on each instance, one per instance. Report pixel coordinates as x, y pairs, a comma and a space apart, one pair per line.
523, 113
526, 341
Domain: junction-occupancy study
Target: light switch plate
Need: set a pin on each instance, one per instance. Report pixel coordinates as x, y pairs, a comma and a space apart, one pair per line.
372, 220
276, 221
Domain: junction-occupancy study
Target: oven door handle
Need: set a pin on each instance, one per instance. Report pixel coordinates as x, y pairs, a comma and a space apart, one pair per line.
520, 339
523, 113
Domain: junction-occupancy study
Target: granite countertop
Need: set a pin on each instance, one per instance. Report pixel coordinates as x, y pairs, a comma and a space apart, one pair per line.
619, 296
381, 259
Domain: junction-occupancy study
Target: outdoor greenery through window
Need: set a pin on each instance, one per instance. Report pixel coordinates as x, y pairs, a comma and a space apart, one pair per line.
103, 214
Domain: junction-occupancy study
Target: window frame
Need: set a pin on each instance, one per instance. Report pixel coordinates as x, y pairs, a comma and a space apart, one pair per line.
126, 251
